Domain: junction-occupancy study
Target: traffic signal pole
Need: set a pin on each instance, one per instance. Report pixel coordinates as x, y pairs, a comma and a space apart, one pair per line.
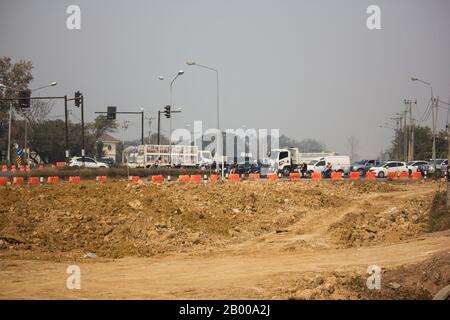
82, 131
159, 127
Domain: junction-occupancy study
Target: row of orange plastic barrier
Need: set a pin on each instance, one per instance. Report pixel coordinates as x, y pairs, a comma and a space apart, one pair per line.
294, 176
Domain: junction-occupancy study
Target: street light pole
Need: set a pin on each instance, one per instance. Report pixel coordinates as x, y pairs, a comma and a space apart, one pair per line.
220, 137
181, 72
434, 116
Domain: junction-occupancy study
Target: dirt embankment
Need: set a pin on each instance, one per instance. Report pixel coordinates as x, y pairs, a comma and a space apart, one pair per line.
117, 219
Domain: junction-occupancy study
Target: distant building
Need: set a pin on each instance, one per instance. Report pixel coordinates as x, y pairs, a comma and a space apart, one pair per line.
109, 146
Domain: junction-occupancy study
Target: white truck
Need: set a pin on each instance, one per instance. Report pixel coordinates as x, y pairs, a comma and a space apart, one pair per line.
338, 164
283, 161
181, 156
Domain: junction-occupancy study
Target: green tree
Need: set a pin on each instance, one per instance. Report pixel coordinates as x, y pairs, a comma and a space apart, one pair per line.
15, 75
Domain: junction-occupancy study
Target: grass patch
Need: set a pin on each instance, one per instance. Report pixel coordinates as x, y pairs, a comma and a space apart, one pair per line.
439, 214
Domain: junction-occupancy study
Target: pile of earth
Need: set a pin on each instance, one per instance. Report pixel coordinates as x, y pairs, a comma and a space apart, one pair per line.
372, 224
117, 219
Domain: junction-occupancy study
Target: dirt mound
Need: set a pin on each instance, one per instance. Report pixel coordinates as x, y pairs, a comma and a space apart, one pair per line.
373, 223
118, 219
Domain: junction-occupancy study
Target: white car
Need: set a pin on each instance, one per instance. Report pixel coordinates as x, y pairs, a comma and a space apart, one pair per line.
414, 165
88, 163
385, 168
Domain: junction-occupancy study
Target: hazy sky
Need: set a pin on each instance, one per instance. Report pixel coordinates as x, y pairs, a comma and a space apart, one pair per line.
310, 68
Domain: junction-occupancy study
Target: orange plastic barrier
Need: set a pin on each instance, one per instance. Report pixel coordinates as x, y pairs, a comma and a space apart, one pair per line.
214, 178
22, 168
3, 181
336, 176
52, 179
354, 175
196, 178
404, 175
18, 181
416, 176
316, 176
293, 176
134, 179
183, 178
60, 164
392, 176
4, 168
370, 176
33, 181
254, 176
74, 179
102, 178
13, 168
158, 179
272, 176
234, 177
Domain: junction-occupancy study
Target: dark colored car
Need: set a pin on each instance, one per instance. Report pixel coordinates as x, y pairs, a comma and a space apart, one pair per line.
363, 166
246, 168
108, 161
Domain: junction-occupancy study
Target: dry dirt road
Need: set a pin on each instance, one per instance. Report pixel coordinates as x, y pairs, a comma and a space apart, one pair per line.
304, 258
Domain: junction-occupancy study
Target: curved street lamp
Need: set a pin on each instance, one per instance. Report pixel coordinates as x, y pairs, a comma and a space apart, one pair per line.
193, 63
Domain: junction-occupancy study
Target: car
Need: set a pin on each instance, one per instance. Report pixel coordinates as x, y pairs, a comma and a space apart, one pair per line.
383, 169
339, 163
88, 163
413, 165
425, 169
108, 161
363, 166
246, 168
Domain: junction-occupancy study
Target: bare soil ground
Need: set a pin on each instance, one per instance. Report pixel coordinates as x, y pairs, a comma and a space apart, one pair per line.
253, 240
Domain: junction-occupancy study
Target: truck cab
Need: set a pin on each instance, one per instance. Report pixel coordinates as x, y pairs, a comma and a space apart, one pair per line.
284, 161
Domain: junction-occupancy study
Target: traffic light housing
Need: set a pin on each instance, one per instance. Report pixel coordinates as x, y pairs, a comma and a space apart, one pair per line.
24, 98
111, 113
167, 111
78, 97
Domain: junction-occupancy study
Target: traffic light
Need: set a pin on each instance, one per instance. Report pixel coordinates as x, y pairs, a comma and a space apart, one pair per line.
78, 97
24, 101
111, 113
167, 111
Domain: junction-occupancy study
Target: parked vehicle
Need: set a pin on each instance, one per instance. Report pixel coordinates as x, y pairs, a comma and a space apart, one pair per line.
385, 168
425, 169
88, 163
248, 167
413, 165
338, 164
205, 159
363, 166
108, 161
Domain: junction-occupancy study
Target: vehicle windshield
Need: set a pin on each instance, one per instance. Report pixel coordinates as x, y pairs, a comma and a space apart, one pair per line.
313, 162
410, 163
274, 155
380, 164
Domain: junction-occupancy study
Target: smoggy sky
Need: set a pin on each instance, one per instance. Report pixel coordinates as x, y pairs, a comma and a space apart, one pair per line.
310, 68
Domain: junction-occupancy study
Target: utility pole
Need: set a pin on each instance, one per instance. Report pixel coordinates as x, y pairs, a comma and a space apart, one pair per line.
434, 105
405, 137
398, 123
8, 155
410, 131
124, 128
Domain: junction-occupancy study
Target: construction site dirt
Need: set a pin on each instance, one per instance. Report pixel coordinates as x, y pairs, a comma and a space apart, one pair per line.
245, 240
